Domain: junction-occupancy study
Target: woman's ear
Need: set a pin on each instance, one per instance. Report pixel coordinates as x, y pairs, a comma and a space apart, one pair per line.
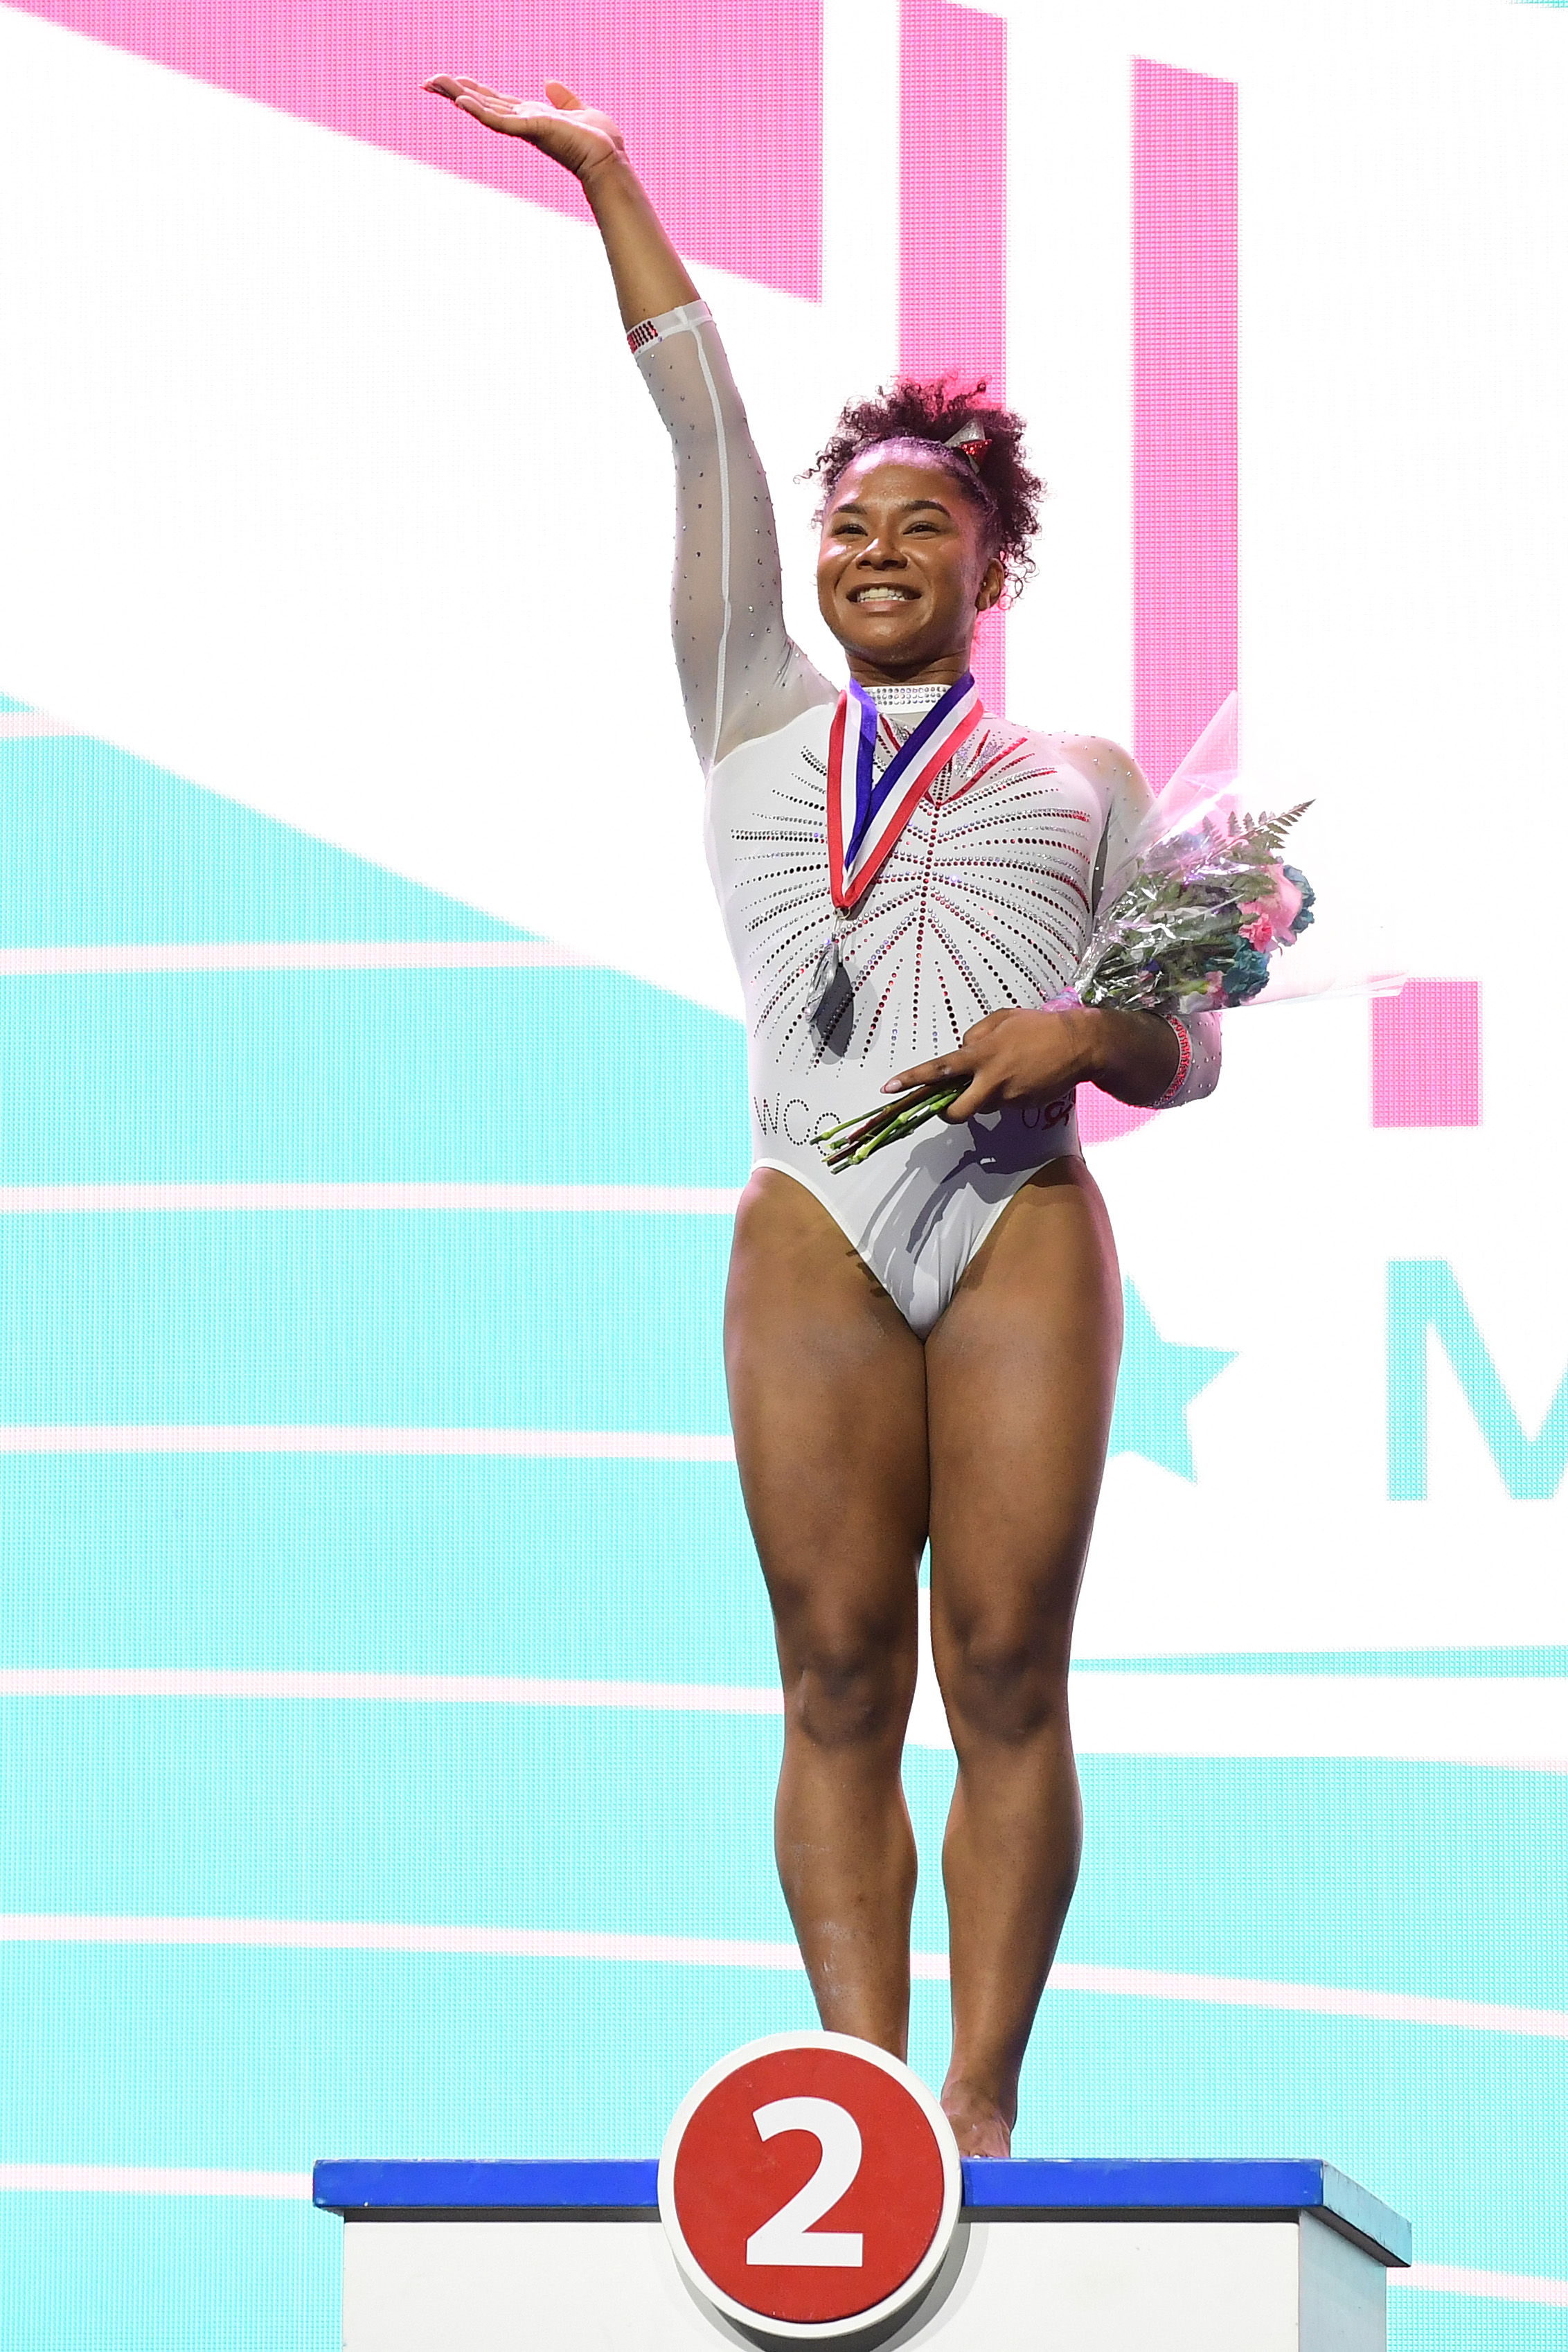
992, 583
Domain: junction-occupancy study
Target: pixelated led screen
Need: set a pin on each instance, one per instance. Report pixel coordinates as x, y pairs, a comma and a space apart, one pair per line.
388, 1694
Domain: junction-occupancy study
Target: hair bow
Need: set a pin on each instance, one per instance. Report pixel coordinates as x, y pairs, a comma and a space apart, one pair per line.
971, 441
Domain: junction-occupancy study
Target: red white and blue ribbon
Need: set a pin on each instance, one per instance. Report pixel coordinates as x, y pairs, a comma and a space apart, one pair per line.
866, 812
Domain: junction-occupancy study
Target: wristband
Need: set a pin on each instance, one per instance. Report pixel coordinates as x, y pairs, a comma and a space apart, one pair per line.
1184, 1062
682, 322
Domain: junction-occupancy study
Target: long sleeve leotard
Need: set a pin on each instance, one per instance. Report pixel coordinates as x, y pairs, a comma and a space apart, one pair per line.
987, 900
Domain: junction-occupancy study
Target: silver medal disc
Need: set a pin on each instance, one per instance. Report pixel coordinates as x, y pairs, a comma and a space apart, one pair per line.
828, 980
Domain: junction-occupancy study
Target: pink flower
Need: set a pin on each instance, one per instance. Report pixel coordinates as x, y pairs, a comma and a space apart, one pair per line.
1275, 915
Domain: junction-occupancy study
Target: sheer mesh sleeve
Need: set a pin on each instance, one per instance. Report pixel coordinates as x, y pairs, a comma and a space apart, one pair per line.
1128, 800
741, 673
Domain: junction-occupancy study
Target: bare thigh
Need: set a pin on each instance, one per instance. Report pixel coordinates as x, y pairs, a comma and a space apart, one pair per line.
1021, 1380
828, 1400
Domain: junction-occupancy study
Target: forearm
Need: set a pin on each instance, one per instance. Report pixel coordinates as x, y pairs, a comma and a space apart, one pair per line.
649, 276
1134, 1056
1039, 1055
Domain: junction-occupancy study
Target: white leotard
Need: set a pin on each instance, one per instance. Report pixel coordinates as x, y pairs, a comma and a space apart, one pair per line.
987, 901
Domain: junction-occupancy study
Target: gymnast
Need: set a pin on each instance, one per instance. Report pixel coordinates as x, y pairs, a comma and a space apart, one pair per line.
923, 1348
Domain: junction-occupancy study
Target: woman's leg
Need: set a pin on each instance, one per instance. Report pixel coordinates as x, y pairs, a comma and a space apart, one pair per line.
827, 1399
1021, 1377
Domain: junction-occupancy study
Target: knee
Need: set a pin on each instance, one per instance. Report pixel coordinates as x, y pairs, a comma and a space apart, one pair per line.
1002, 1679
848, 1684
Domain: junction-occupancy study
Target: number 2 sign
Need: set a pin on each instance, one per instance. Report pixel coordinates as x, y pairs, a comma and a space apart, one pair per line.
810, 2183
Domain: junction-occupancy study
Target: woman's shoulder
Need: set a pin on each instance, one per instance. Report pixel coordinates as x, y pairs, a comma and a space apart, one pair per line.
1111, 771
1105, 761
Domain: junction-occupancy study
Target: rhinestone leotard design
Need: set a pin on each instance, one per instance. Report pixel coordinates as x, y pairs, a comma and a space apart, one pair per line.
987, 900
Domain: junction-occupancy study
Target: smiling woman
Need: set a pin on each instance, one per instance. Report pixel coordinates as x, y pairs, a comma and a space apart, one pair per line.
942, 425
891, 540
924, 1347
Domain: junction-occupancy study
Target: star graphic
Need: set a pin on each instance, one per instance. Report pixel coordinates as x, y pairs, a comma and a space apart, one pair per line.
1159, 1380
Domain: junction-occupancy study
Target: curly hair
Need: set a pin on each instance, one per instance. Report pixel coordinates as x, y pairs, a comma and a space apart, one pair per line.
1001, 487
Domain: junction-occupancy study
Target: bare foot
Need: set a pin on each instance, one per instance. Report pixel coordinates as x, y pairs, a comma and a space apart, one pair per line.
979, 2126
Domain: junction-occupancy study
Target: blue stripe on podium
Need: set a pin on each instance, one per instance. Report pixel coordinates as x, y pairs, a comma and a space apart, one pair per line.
1194, 2186
552, 2186
1078, 2185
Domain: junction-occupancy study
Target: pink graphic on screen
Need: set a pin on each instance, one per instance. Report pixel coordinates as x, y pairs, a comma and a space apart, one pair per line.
1426, 1054
1184, 408
952, 224
1101, 1118
702, 89
1184, 434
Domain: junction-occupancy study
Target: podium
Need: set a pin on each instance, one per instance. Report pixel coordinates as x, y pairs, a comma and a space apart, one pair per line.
1074, 2256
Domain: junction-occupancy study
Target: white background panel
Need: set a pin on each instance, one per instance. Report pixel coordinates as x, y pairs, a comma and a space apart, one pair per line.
331, 487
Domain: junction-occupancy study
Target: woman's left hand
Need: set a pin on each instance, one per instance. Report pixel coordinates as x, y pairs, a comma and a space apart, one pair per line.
1012, 1056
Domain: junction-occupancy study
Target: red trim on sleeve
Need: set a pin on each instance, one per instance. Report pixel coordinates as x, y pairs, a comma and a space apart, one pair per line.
1183, 1065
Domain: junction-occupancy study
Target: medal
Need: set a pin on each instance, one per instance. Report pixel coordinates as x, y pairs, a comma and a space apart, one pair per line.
866, 812
828, 973
829, 980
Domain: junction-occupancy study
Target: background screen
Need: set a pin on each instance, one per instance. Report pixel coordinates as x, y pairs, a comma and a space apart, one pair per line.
388, 1720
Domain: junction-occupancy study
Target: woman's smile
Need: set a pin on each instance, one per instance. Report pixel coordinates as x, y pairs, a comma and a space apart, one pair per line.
903, 567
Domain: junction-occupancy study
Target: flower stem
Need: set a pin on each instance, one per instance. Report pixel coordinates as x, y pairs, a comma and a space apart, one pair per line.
859, 1139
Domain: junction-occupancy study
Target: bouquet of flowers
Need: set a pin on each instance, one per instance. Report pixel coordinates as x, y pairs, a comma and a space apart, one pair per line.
1209, 902
1194, 928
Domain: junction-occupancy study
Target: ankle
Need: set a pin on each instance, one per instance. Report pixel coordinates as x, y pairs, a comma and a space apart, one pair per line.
979, 2124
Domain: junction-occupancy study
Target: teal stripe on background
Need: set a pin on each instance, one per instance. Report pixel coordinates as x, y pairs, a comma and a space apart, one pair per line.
261, 2058
1467, 2323
533, 1076
8, 702
601, 1820
119, 2274
99, 848
1419, 1878
1448, 1880
1539, 1660
632, 1570
375, 1317
639, 1572
1458, 2131
380, 1317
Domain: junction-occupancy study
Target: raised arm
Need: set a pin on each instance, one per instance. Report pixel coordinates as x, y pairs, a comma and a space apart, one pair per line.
649, 273
740, 675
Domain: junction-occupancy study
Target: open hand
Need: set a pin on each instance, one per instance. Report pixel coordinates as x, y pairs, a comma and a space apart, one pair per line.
1012, 1056
559, 125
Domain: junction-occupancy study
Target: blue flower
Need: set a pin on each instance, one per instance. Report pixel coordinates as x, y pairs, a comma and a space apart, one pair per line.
1309, 898
1247, 974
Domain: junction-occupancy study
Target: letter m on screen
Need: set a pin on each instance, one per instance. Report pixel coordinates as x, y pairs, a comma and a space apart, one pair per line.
1422, 1296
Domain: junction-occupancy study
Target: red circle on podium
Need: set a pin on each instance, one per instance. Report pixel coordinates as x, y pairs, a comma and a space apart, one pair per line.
809, 2183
